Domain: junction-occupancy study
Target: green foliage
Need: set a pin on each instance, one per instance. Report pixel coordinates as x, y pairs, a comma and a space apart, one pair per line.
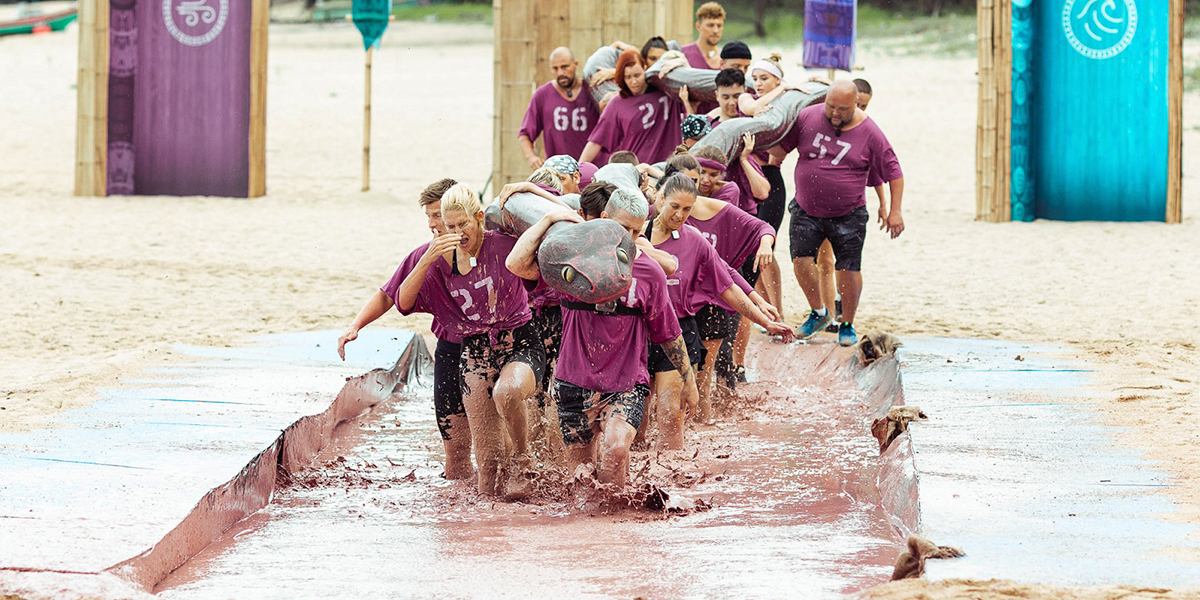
457, 12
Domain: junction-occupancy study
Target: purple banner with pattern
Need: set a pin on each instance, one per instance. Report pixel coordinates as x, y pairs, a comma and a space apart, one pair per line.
829, 27
179, 97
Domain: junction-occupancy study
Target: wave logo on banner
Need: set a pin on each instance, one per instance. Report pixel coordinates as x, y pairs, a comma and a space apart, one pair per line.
829, 33
1099, 29
195, 22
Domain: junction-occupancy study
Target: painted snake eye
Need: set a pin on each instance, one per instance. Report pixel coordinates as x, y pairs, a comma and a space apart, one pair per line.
622, 255
568, 274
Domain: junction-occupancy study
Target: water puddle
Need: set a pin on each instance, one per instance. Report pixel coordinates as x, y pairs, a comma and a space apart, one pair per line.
790, 475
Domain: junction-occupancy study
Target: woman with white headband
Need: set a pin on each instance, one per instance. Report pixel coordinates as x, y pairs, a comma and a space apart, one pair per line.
768, 85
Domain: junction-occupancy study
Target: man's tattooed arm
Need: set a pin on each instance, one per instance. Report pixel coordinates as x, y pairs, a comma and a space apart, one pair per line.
678, 355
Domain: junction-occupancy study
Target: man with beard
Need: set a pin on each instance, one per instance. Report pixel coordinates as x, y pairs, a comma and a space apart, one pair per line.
840, 149
710, 24
562, 109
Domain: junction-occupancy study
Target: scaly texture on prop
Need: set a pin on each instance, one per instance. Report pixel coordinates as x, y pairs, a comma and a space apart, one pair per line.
591, 261
606, 58
701, 83
769, 127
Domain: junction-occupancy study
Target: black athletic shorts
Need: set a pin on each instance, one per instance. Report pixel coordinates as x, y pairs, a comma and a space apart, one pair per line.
580, 410
522, 344
845, 233
447, 386
713, 322
748, 273
548, 323
658, 361
771, 209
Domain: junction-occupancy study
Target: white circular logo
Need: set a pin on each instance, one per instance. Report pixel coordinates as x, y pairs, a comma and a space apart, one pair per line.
201, 23
1099, 29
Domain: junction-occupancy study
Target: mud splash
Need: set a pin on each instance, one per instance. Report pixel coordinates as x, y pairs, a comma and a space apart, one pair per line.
780, 497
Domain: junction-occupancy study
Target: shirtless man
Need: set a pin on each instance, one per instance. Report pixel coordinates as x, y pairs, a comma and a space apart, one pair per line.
562, 111
601, 379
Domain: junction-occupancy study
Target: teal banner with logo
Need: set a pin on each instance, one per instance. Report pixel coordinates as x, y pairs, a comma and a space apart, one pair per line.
1091, 83
371, 19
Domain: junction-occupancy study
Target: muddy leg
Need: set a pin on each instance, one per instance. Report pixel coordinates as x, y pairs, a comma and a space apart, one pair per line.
458, 448
515, 385
616, 435
668, 389
705, 380
487, 437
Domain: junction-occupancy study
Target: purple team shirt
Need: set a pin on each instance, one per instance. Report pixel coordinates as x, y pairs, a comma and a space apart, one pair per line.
489, 297
564, 124
832, 171
701, 277
731, 193
432, 299
695, 56
608, 353
733, 233
647, 125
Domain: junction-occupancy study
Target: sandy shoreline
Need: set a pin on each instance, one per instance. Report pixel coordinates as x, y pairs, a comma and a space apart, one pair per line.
99, 288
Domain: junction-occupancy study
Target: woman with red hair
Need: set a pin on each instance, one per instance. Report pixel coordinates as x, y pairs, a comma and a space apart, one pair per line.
643, 120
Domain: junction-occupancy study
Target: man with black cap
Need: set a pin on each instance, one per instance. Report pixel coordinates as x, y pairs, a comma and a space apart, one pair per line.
735, 55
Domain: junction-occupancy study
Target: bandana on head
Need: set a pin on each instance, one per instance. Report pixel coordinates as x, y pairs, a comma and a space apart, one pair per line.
564, 164
695, 126
763, 65
711, 164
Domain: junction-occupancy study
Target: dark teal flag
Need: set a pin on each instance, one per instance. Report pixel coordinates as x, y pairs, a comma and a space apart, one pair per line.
371, 19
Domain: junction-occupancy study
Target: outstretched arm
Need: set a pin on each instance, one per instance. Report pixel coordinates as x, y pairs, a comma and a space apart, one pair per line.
736, 298
376, 307
522, 260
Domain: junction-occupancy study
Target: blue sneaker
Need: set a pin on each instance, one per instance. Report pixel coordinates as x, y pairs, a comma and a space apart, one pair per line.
846, 335
813, 325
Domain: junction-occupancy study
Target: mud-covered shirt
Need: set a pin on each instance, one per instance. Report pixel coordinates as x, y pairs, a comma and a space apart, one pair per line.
488, 298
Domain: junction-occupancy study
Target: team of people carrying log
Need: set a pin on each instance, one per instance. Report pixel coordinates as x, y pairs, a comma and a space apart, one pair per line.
703, 223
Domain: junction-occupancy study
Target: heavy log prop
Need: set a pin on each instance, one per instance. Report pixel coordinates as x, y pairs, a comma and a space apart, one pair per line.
769, 127
606, 58
701, 83
591, 261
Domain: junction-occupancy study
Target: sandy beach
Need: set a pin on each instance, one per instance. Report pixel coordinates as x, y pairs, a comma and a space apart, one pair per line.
97, 289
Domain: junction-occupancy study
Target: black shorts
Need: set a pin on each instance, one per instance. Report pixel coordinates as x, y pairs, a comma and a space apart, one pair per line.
547, 321
748, 273
771, 209
522, 345
845, 233
447, 385
713, 322
580, 410
658, 361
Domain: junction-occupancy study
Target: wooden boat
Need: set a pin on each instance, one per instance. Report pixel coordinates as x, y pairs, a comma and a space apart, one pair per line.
55, 21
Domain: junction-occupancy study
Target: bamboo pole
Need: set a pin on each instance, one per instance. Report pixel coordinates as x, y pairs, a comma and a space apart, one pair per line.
1175, 116
91, 124
258, 98
366, 172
